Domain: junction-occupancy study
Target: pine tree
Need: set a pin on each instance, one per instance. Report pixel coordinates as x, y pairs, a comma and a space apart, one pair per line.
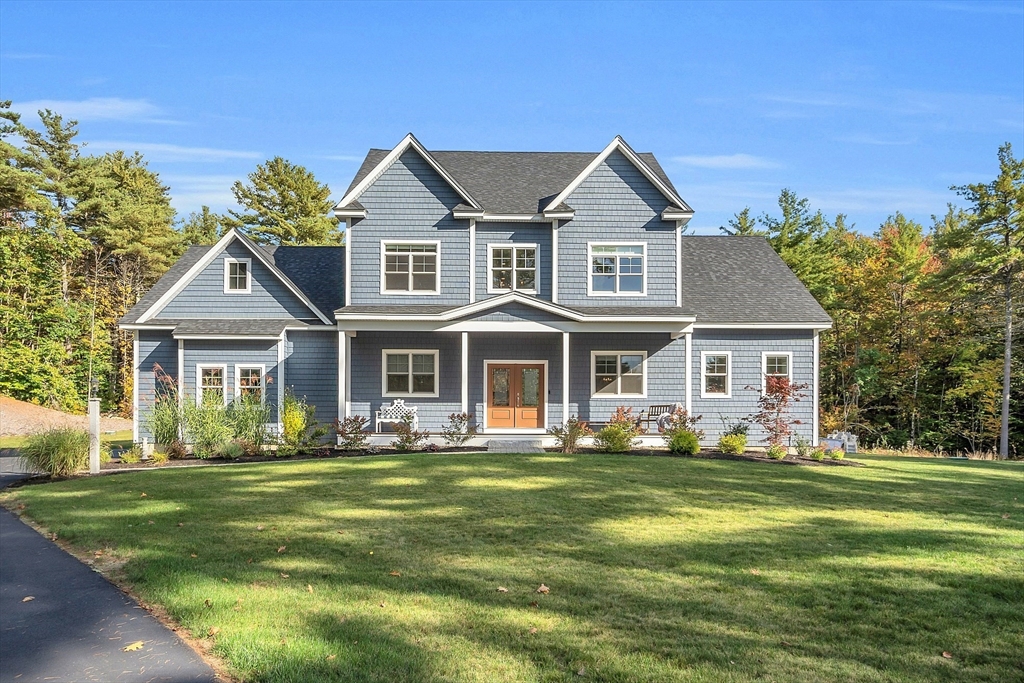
205, 227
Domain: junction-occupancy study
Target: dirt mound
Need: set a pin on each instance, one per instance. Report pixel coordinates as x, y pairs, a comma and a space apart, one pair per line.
18, 418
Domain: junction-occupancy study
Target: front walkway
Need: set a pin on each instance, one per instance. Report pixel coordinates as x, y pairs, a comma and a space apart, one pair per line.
77, 624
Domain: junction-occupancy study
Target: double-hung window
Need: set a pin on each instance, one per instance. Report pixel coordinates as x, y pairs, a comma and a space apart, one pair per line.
212, 384
249, 383
775, 365
716, 377
617, 269
410, 372
410, 268
513, 267
619, 373
237, 278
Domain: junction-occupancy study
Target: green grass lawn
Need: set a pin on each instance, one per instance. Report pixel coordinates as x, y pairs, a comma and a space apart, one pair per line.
660, 569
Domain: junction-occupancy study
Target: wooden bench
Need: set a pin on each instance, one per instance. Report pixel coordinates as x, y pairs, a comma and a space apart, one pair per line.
653, 413
397, 411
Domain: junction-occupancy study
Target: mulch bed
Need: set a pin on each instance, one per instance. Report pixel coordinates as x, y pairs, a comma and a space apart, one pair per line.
749, 456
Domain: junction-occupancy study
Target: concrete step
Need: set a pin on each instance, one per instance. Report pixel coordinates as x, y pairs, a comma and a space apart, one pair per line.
515, 446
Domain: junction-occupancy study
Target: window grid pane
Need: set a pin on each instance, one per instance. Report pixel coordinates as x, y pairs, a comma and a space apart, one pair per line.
621, 374
238, 275
777, 365
410, 373
716, 373
410, 268
622, 270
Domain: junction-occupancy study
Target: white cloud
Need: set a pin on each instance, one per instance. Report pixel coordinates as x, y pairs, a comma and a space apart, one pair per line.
156, 151
343, 157
97, 109
726, 161
191, 192
910, 200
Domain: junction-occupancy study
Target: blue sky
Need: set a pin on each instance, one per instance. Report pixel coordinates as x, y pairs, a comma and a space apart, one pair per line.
865, 108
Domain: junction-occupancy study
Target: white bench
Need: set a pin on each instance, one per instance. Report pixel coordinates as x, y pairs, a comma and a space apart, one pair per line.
397, 412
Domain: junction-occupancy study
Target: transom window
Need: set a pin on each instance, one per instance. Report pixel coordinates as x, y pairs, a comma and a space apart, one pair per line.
410, 268
715, 375
513, 268
617, 269
410, 372
211, 384
236, 276
249, 381
619, 373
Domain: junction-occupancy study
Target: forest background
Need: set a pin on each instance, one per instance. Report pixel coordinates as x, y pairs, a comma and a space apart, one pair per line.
921, 353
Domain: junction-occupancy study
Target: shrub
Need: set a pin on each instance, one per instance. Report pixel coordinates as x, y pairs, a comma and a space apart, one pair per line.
735, 428
176, 450
803, 447
299, 425
459, 430
734, 444
684, 443
59, 452
249, 417
836, 454
816, 454
776, 451
158, 457
352, 432
615, 438
207, 427
681, 421
231, 450
132, 456
568, 436
409, 439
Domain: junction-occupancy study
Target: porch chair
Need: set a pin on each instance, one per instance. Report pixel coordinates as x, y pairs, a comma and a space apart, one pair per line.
397, 412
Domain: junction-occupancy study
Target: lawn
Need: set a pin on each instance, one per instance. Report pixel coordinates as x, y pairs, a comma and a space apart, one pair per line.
659, 569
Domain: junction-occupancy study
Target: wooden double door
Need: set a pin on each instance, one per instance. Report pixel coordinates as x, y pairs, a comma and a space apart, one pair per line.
515, 395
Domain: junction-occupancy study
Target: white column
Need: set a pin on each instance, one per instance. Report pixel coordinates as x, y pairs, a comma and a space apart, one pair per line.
679, 263
689, 372
348, 261
94, 436
565, 377
465, 372
554, 262
815, 381
342, 393
280, 378
472, 263
135, 386
348, 373
181, 372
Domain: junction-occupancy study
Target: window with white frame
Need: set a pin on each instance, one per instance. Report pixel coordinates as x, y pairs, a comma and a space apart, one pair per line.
617, 269
249, 383
619, 373
513, 267
715, 375
212, 383
410, 268
237, 276
410, 372
775, 365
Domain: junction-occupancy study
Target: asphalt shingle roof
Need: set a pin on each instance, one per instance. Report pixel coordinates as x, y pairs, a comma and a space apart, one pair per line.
238, 326
318, 271
732, 279
510, 182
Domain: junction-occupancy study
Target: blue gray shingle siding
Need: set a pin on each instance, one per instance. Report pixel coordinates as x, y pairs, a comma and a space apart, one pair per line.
204, 297
230, 352
617, 203
488, 234
410, 201
311, 371
156, 348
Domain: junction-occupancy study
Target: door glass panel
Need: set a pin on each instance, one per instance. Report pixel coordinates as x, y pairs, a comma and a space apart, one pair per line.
531, 387
499, 386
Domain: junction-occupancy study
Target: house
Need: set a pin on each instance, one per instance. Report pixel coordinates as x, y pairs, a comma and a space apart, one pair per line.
521, 287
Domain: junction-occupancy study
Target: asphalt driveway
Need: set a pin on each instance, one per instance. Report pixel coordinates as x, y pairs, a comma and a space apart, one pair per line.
77, 624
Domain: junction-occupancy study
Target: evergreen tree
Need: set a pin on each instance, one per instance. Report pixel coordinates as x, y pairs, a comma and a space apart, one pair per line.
285, 204
205, 227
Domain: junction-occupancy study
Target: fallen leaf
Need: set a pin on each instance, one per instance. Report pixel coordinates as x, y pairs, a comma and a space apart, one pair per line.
755, 572
281, 549
395, 573
330, 657
28, 598
259, 527
1006, 515
371, 552
543, 589
382, 604
224, 579
947, 655
137, 645
284, 576
152, 522
341, 532
533, 630
143, 495
181, 523
194, 555
208, 604
534, 604
309, 588
502, 589
97, 553
785, 644
249, 561
582, 671
214, 630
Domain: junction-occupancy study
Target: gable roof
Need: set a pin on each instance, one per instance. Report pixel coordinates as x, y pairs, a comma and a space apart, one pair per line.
196, 259
728, 279
516, 182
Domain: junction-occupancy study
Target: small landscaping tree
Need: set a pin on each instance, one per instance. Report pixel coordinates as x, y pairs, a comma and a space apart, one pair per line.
773, 410
567, 436
459, 430
619, 435
351, 432
409, 439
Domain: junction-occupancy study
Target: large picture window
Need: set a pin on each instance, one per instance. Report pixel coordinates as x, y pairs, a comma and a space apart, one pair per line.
716, 377
410, 268
410, 372
618, 373
211, 383
513, 267
237, 278
249, 383
617, 270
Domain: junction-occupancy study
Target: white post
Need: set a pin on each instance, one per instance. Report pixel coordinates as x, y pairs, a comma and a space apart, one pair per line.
472, 265
465, 372
554, 263
565, 377
342, 366
689, 372
816, 380
94, 436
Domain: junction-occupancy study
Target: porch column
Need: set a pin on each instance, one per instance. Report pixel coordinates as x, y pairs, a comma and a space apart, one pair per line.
465, 372
280, 379
689, 372
342, 375
565, 377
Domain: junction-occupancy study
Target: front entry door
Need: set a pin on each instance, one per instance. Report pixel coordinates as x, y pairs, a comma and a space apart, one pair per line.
515, 396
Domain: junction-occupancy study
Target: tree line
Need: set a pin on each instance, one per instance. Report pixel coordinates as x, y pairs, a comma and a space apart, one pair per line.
921, 352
